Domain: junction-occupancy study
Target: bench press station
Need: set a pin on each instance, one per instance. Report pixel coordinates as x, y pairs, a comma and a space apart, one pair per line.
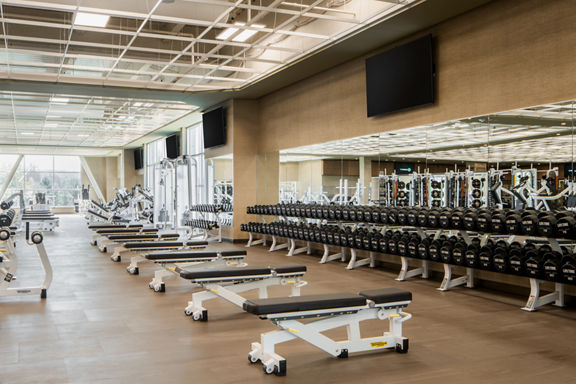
228, 282
330, 311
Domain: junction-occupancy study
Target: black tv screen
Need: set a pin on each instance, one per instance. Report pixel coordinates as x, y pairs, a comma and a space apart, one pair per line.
214, 128
404, 168
138, 158
173, 146
401, 78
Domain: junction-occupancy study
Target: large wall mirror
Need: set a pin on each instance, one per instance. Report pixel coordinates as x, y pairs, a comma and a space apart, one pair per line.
515, 159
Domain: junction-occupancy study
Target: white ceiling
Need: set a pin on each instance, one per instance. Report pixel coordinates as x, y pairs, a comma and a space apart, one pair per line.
542, 133
153, 45
81, 121
174, 44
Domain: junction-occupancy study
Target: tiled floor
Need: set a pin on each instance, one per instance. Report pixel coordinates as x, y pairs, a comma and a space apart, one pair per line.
101, 325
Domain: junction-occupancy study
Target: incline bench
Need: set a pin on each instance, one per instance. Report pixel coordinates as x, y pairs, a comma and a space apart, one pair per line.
228, 282
330, 311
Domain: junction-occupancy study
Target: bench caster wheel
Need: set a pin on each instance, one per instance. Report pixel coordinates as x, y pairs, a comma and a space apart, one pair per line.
268, 369
133, 271
252, 359
150, 285
104, 250
161, 288
188, 312
201, 316
402, 348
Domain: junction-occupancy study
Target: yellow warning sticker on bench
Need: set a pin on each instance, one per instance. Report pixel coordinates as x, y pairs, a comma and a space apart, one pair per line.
214, 290
394, 315
379, 344
293, 330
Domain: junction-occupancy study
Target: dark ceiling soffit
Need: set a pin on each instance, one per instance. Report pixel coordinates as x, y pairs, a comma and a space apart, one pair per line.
416, 19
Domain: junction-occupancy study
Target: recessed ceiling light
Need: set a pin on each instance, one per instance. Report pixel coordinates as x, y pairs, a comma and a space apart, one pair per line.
91, 19
138, 104
83, 135
60, 100
242, 36
27, 133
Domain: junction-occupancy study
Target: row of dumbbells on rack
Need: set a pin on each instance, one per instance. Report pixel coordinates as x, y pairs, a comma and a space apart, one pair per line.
201, 224
530, 259
529, 222
212, 208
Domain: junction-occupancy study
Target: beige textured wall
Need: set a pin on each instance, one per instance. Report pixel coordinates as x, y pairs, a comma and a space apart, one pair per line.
505, 55
223, 170
105, 171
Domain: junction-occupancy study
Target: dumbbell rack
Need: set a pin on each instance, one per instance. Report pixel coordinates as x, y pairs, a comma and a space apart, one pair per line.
210, 213
535, 300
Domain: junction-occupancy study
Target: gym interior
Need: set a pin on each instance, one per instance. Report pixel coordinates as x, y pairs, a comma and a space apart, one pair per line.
275, 191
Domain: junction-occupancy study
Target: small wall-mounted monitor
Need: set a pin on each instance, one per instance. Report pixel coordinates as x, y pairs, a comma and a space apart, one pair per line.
214, 128
404, 168
173, 146
403, 77
139, 158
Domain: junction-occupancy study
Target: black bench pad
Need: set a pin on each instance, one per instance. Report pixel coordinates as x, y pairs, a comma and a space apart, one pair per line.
191, 255
288, 268
225, 272
303, 303
38, 218
163, 244
386, 295
112, 226
125, 231
142, 236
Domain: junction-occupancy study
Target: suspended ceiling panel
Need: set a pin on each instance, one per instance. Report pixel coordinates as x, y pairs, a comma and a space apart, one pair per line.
541, 133
184, 45
80, 121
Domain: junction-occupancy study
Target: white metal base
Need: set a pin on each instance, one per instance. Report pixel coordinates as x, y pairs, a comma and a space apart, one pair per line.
312, 332
296, 251
229, 291
535, 301
448, 282
406, 272
355, 262
326, 257
275, 246
252, 240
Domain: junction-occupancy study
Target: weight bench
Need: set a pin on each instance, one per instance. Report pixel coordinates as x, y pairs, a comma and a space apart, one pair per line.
97, 227
228, 282
175, 262
119, 239
104, 233
146, 246
329, 311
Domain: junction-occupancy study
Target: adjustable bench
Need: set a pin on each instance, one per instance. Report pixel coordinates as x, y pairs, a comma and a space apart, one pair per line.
329, 311
104, 233
119, 239
146, 246
174, 262
228, 282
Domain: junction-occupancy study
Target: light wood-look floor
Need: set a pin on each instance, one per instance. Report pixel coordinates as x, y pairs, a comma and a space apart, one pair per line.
101, 325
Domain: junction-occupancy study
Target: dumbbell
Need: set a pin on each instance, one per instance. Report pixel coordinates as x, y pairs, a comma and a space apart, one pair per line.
434, 219
423, 252
500, 257
566, 227
7, 217
446, 251
514, 222
412, 216
413, 244
444, 218
392, 216
402, 217
552, 265
569, 269
375, 240
534, 262
547, 223
434, 250
457, 218
485, 257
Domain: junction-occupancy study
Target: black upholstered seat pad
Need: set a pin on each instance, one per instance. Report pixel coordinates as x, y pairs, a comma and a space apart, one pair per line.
129, 237
96, 214
124, 231
191, 255
386, 295
303, 303
37, 218
288, 268
162, 244
225, 272
103, 226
